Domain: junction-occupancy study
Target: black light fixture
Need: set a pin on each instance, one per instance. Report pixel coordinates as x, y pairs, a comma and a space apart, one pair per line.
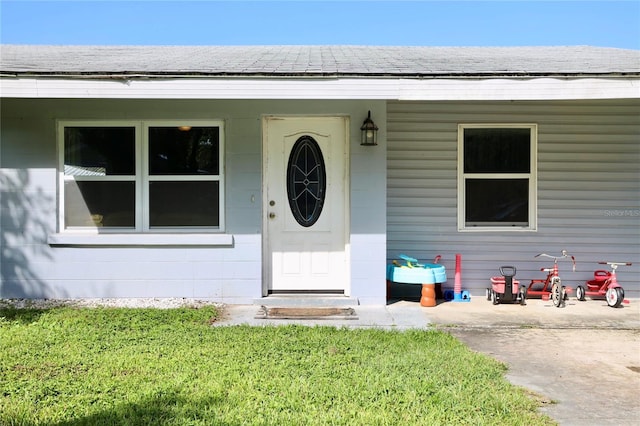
369, 132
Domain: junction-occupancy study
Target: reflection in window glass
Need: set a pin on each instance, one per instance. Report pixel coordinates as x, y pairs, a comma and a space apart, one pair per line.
99, 204
184, 203
183, 150
99, 151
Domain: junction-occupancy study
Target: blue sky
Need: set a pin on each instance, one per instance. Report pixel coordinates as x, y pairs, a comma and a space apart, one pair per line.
428, 23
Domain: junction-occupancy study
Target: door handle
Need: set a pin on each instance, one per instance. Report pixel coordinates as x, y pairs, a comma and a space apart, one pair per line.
272, 215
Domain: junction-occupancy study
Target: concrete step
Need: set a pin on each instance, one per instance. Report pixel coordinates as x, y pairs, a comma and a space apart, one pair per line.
306, 300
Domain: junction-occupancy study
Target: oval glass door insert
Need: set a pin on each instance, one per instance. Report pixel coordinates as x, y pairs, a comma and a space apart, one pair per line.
306, 181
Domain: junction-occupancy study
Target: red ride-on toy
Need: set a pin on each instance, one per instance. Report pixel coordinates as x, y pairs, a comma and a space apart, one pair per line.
505, 289
551, 287
604, 285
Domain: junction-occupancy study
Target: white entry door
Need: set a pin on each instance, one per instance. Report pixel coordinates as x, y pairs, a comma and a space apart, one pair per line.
305, 209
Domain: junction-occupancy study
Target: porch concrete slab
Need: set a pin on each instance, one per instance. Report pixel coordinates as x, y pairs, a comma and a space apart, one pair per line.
477, 313
401, 315
537, 313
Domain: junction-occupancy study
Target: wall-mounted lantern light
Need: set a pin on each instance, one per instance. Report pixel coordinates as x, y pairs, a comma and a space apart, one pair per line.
369, 132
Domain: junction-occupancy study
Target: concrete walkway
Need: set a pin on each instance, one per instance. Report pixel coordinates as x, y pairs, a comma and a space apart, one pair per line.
583, 360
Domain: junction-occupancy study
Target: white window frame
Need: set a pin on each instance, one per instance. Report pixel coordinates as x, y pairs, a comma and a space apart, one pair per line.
531, 176
142, 179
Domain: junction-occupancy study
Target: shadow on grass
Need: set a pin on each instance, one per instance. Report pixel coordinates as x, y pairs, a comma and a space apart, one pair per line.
20, 315
167, 408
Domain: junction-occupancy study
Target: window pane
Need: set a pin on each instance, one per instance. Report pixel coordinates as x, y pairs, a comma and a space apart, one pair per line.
497, 150
184, 204
497, 201
184, 150
99, 151
100, 204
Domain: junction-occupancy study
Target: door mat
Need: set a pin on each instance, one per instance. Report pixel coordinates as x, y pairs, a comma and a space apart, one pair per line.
307, 313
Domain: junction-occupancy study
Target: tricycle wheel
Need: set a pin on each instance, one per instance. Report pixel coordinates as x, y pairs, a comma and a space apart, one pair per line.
556, 294
494, 297
614, 296
488, 293
580, 292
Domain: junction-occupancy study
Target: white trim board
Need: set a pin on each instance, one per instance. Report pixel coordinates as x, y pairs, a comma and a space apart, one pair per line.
384, 89
137, 239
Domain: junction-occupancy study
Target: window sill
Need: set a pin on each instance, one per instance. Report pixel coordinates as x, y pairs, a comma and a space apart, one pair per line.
144, 240
497, 229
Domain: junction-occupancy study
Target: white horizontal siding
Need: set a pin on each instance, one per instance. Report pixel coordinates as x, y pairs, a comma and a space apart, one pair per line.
588, 188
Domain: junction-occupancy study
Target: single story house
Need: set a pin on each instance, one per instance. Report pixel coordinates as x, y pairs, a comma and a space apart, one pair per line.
233, 173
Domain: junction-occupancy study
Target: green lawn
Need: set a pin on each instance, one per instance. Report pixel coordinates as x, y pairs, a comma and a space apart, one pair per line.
105, 366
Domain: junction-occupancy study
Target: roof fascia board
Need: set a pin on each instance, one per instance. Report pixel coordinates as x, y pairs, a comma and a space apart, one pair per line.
530, 89
336, 89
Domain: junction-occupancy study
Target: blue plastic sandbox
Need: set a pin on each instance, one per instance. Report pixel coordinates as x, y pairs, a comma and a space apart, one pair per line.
430, 273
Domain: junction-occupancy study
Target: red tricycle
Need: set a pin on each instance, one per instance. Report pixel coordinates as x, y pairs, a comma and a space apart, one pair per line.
551, 287
604, 285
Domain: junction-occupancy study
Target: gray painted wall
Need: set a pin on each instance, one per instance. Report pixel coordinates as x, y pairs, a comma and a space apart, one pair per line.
30, 268
588, 189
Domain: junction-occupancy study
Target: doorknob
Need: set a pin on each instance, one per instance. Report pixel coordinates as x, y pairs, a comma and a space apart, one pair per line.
272, 215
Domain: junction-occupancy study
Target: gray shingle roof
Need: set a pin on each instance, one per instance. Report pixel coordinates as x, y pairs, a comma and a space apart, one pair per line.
366, 61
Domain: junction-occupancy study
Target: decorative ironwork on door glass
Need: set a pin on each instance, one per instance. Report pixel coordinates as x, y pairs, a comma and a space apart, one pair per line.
306, 181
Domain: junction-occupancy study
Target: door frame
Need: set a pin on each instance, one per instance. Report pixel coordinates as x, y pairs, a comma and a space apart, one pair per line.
266, 261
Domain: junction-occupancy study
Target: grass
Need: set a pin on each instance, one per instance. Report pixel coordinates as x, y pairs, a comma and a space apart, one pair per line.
107, 366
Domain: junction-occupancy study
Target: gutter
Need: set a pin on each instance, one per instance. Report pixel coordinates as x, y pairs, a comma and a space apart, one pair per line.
124, 76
